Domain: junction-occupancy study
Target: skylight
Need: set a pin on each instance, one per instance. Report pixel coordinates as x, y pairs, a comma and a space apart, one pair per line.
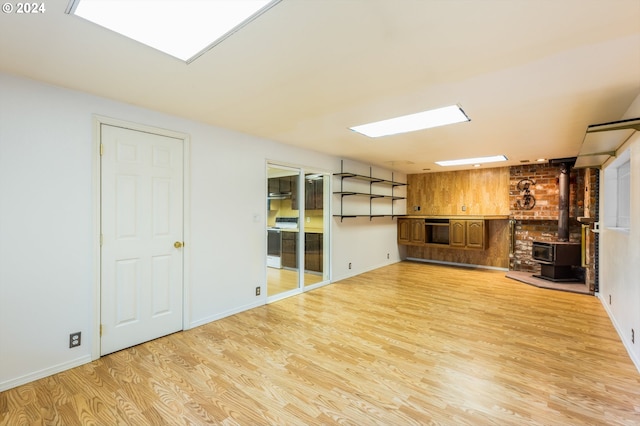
412, 122
184, 29
477, 160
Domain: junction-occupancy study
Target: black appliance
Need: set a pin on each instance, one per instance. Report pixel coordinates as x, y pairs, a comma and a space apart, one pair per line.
557, 259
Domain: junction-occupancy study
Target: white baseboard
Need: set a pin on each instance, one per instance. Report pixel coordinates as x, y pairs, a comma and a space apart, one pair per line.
362, 271
37, 375
211, 318
464, 265
625, 342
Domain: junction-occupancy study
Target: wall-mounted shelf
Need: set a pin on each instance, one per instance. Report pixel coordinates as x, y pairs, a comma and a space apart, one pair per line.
369, 179
371, 194
363, 194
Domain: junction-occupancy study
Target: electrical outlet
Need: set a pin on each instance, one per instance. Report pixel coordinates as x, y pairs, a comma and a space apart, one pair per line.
75, 339
349, 265
258, 291
609, 299
464, 208
633, 336
387, 255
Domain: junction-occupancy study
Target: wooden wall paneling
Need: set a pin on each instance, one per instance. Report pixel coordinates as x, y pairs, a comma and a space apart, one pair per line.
482, 192
495, 254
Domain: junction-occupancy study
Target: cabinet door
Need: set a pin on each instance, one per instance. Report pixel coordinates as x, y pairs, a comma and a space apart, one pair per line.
457, 232
320, 252
403, 231
309, 194
475, 234
274, 185
313, 194
318, 193
293, 187
313, 252
289, 257
285, 183
417, 231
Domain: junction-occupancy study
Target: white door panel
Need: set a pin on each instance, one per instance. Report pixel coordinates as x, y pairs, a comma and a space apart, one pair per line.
141, 214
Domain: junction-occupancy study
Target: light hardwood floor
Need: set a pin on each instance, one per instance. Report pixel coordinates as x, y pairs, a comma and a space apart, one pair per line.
406, 344
281, 280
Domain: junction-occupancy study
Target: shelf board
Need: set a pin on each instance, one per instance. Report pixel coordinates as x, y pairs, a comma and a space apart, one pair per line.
370, 216
390, 183
359, 177
364, 194
369, 179
371, 195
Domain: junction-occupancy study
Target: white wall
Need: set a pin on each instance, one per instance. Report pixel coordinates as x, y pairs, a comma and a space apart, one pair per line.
620, 256
349, 243
47, 214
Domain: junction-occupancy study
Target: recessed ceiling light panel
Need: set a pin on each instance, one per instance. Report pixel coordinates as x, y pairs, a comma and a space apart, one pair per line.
184, 29
412, 122
467, 161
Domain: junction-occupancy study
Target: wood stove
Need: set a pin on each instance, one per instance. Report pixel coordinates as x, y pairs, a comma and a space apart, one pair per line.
557, 259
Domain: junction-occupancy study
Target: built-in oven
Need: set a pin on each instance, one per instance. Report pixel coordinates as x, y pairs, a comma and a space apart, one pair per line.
274, 248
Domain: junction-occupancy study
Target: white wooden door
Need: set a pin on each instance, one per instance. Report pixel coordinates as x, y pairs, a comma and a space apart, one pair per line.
142, 233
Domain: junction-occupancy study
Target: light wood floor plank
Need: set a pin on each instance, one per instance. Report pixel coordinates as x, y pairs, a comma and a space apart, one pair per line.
408, 344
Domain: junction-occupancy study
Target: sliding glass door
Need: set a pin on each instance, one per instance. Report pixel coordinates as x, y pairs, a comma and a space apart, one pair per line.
283, 228
297, 230
315, 229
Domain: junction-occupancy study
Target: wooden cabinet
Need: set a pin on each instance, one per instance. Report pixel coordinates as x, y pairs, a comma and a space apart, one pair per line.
313, 252
282, 185
404, 231
313, 193
453, 233
457, 231
466, 233
417, 231
411, 231
289, 256
475, 234
274, 185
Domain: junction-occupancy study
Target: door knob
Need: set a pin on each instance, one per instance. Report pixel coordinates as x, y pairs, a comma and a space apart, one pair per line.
178, 244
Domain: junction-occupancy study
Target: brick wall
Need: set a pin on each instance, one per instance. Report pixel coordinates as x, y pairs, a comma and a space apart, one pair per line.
544, 189
528, 231
540, 223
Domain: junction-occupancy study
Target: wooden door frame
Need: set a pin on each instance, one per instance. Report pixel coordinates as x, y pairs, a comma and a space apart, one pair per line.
98, 121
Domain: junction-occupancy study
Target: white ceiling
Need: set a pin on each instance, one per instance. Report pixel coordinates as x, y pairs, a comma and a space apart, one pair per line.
531, 74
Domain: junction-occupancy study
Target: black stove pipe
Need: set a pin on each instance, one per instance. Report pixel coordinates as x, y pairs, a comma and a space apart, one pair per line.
563, 201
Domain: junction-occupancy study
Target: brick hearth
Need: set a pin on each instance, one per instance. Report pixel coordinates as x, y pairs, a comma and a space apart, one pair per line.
540, 223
